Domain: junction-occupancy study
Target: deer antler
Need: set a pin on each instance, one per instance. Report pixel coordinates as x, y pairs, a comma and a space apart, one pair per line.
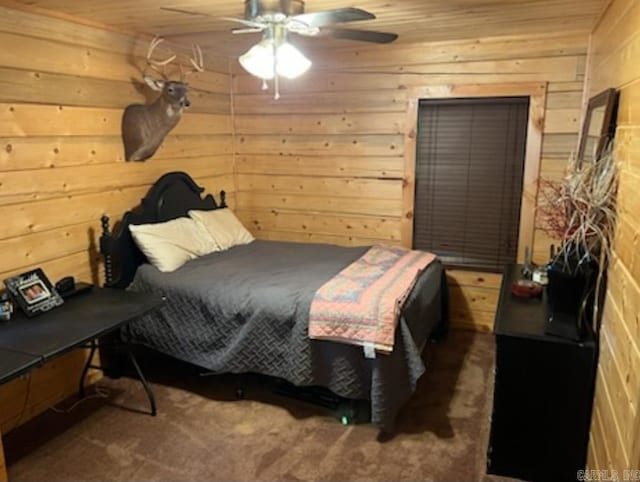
158, 65
196, 61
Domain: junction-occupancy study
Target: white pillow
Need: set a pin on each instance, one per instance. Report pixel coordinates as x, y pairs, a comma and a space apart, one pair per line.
223, 226
171, 244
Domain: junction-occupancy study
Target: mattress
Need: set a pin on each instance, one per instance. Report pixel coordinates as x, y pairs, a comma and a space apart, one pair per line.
246, 310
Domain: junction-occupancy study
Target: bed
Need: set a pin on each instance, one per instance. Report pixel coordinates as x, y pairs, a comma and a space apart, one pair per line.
246, 309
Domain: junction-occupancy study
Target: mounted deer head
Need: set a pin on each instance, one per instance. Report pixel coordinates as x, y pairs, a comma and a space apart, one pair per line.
144, 127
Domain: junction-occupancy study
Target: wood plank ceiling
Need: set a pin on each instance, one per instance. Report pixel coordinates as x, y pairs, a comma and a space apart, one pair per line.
414, 20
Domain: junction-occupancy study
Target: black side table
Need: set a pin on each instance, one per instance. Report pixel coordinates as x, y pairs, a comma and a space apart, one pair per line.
543, 393
80, 321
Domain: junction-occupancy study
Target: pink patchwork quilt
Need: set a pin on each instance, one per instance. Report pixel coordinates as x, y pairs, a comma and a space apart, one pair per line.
361, 304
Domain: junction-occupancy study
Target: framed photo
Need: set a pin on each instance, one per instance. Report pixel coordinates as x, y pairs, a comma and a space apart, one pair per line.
6, 307
33, 292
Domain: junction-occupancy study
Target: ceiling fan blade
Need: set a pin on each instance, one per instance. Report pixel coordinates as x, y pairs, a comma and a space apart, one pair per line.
328, 17
248, 23
359, 35
185, 12
247, 30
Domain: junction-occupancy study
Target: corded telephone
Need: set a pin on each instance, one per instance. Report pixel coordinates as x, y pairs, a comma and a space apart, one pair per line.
68, 287
66, 284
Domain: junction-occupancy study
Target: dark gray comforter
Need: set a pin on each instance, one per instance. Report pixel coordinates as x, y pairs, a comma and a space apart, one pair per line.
246, 310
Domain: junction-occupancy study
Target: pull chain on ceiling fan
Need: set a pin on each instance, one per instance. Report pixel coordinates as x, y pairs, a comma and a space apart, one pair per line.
274, 56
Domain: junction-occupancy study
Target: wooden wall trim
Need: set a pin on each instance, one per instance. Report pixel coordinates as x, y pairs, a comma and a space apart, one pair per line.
531, 170
536, 91
409, 178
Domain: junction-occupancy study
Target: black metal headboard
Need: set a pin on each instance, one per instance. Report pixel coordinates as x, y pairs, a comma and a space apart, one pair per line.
171, 197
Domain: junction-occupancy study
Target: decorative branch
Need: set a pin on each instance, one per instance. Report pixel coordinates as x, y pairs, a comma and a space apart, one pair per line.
581, 211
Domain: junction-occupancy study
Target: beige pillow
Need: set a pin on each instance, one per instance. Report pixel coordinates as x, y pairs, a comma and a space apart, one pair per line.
223, 226
171, 244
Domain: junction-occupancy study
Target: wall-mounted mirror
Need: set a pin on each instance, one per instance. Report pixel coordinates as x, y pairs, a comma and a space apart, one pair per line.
599, 125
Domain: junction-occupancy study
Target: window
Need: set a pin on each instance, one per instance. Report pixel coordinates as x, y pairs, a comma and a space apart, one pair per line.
469, 169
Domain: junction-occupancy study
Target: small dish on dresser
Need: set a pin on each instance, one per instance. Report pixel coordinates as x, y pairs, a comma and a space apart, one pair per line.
524, 288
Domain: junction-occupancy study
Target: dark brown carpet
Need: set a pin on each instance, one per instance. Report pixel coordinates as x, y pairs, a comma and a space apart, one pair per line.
203, 433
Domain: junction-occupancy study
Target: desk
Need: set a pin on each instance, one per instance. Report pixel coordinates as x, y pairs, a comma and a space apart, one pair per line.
14, 364
79, 320
29, 342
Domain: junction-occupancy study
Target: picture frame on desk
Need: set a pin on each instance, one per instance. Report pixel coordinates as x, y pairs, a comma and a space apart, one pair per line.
33, 292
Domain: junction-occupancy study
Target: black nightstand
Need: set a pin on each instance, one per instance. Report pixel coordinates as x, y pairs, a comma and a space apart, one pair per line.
543, 393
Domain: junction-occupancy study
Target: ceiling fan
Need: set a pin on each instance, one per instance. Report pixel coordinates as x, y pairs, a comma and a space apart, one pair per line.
259, 15
274, 56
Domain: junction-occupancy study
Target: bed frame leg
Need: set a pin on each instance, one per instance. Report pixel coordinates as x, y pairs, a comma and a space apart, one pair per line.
241, 385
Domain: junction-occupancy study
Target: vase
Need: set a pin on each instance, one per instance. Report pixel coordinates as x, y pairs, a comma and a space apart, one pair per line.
568, 299
566, 291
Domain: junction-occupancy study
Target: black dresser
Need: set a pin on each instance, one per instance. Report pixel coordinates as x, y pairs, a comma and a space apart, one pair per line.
543, 393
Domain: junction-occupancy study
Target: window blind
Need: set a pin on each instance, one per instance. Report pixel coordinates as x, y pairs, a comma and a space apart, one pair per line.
469, 171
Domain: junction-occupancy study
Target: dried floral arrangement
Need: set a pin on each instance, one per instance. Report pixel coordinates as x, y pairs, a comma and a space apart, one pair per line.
581, 212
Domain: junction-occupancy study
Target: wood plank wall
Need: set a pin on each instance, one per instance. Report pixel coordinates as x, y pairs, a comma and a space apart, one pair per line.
324, 163
615, 426
3, 469
62, 90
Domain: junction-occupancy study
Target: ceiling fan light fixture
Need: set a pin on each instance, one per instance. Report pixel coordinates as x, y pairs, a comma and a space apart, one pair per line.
289, 61
258, 60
